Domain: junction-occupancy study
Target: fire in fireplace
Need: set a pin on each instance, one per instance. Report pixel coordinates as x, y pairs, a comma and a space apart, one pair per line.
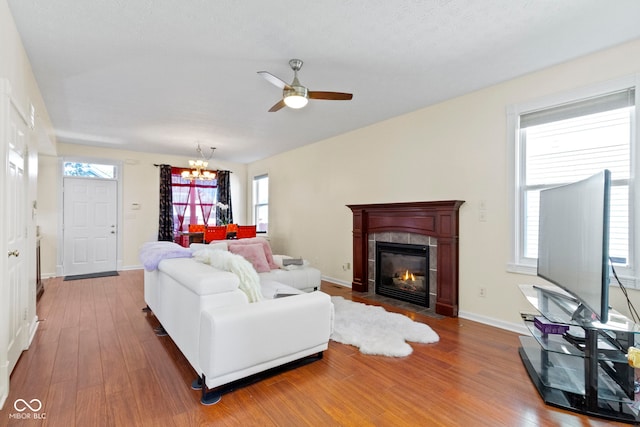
402, 272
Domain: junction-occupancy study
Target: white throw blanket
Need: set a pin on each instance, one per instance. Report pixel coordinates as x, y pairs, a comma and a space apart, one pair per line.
227, 261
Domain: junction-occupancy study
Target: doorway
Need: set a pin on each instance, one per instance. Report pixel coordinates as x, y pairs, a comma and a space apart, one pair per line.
90, 225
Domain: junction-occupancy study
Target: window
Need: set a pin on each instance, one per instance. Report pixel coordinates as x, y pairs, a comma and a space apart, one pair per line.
261, 203
567, 142
89, 170
193, 201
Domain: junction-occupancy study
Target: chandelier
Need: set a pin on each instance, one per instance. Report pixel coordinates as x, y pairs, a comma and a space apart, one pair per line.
198, 167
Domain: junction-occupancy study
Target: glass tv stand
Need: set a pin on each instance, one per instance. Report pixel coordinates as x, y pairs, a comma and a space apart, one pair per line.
584, 369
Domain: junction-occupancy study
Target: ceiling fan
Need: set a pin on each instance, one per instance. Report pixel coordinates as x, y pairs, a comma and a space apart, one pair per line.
295, 95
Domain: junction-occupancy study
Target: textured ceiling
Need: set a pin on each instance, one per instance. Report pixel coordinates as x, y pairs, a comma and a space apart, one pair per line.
159, 75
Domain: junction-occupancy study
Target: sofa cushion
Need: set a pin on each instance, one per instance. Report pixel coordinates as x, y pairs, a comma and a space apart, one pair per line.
306, 278
221, 245
265, 245
199, 278
236, 264
270, 288
254, 254
289, 263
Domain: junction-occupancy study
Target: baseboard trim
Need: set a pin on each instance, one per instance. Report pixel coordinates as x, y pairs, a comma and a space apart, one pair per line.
490, 321
336, 281
32, 330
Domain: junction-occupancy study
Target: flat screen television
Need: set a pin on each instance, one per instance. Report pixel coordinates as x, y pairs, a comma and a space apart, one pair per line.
573, 240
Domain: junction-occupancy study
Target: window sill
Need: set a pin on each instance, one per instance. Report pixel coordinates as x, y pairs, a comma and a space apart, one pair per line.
522, 269
629, 282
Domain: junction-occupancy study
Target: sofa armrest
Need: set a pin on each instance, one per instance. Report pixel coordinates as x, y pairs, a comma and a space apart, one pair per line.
236, 338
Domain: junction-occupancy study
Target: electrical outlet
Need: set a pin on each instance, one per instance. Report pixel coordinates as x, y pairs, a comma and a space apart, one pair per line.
346, 266
483, 292
482, 211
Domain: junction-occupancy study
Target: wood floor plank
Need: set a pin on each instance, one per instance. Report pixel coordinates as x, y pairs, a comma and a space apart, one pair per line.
172, 376
73, 290
103, 309
122, 408
130, 344
65, 367
102, 365
149, 397
87, 309
91, 407
89, 359
114, 368
60, 404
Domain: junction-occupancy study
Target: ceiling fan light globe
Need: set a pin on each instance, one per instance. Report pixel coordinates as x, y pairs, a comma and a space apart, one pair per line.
295, 101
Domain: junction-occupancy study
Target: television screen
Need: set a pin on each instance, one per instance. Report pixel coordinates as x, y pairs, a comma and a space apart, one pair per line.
573, 240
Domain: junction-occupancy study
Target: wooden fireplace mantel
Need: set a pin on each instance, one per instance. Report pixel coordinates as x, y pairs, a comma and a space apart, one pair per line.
438, 219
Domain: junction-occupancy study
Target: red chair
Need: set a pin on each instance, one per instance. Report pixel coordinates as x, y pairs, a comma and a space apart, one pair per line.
245, 231
215, 232
196, 228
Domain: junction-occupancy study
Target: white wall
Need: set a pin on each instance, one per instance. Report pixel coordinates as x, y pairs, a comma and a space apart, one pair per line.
140, 184
454, 150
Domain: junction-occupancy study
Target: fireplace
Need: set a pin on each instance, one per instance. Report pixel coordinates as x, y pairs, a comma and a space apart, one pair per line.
433, 220
402, 272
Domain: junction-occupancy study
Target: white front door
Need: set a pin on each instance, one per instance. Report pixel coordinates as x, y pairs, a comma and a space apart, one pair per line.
16, 232
90, 225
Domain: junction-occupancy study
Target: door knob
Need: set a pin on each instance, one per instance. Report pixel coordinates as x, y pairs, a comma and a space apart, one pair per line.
15, 253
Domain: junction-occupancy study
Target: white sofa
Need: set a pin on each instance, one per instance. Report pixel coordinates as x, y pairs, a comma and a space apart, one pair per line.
226, 338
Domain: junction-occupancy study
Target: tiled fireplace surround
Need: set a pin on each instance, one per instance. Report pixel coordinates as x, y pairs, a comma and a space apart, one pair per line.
411, 221
405, 238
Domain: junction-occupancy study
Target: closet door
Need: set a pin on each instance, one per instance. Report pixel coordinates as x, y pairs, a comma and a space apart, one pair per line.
14, 292
16, 230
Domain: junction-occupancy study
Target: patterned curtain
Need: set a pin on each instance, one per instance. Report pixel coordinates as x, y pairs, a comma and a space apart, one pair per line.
224, 216
165, 225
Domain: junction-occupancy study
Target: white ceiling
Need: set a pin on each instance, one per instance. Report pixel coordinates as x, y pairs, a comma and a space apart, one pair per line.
159, 75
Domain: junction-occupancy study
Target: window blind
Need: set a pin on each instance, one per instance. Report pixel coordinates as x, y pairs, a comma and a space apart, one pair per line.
598, 104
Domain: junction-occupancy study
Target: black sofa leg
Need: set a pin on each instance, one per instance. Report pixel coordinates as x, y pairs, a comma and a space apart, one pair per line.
196, 384
209, 397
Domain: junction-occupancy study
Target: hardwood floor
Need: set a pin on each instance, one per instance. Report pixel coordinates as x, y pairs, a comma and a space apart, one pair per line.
95, 361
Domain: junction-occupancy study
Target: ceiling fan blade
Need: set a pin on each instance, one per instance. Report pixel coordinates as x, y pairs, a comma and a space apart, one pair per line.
274, 80
278, 105
334, 96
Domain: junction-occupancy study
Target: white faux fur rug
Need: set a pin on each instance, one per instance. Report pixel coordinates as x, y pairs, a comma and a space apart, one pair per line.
377, 331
